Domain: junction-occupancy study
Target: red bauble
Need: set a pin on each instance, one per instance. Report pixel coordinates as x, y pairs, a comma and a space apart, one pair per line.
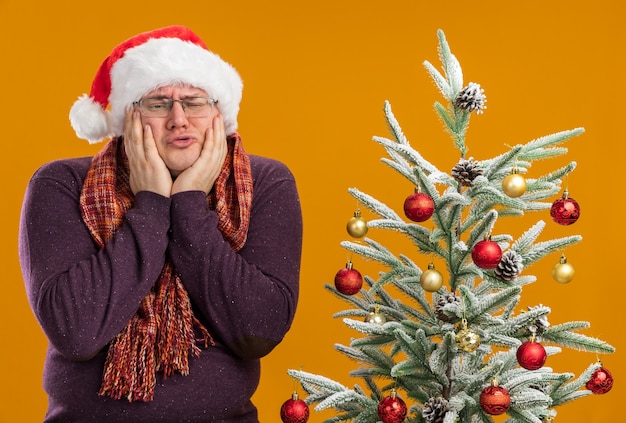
531, 355
565, 210
486, 254
495, 400
392, 409
348, 281
601, 381
294, 410
419, 207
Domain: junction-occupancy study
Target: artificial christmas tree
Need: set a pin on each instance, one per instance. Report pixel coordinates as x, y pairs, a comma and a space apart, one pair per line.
459, 352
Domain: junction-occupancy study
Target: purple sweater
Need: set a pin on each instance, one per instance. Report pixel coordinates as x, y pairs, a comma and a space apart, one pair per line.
83, 297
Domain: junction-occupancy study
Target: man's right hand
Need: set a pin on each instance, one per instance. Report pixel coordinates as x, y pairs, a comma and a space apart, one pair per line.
148, 171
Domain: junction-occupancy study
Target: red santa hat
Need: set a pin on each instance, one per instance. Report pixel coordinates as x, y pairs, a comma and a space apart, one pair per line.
166, 56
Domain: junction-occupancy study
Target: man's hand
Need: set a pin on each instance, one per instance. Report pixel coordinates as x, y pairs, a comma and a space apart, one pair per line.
201, 175
148, 172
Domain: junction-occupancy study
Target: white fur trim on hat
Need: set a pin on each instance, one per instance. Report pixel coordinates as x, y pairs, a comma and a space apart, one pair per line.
89, 120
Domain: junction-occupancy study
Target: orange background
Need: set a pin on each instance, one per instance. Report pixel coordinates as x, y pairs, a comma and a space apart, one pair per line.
316, 75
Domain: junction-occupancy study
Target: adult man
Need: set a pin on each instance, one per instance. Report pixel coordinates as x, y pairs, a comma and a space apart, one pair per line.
164, 267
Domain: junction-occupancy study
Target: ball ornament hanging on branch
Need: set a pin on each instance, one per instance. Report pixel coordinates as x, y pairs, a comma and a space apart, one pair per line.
392, 409
294, 410
375, 316
563, 272
419, 207
466, 339
514, 185
565, 210
357, 226
348, 280
431, 279
494, 399
531, 355
601, 381
486, 254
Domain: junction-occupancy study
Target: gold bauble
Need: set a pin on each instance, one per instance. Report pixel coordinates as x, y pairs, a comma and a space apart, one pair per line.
467, 340
431, 279
514, 185
563, 272
357, 226
375, 317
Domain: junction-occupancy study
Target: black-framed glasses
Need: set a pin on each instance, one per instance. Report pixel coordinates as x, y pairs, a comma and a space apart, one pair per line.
160, 107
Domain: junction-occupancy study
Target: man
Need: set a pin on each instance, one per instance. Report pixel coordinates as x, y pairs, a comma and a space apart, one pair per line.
164, 267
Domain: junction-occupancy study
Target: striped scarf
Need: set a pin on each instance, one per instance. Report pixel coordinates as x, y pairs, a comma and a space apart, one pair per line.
164, 331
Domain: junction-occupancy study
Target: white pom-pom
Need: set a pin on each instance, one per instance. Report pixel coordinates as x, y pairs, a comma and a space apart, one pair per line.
89, 120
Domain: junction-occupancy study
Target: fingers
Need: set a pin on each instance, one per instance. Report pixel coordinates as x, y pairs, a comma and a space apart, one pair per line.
148, 172
215, 146
133, 134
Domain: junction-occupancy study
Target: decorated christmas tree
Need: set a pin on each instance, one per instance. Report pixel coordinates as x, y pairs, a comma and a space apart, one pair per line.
449, 343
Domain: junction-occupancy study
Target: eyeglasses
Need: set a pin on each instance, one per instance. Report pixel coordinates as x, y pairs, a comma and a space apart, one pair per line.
160, 107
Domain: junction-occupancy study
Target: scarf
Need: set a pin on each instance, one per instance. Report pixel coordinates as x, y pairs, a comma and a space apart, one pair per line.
164, 331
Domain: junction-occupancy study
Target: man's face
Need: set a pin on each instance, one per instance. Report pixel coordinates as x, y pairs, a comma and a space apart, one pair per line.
179, 139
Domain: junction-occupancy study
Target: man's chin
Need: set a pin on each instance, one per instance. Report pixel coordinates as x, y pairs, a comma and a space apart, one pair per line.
178, 167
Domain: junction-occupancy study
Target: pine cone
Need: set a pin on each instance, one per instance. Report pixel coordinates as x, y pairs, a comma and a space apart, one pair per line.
471, 98
447, 298
540, 325
510, 266
435, 410
465, 171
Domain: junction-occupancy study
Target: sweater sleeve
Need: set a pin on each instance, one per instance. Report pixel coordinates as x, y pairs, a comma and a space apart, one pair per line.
247, 298
83, 296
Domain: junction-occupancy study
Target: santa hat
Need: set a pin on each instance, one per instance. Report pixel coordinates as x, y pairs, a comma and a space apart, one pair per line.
166, 56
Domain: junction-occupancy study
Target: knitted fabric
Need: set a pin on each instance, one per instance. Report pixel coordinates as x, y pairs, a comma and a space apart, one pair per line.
164, 331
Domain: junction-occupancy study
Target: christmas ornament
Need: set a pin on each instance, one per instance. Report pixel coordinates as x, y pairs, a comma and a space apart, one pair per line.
435, 410
540, 324
563, 272
465, 171
357, 226
486, 254
509, 266
376, 316
466, 339
348, 281
431, 279
601, 381
440, 309
531, 355
514, 185
565, 210
419, 206
294, 410
471, 98
494, 399
392, 409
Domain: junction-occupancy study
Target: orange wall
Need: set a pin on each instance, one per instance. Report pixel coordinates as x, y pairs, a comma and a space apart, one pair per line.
316, 75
